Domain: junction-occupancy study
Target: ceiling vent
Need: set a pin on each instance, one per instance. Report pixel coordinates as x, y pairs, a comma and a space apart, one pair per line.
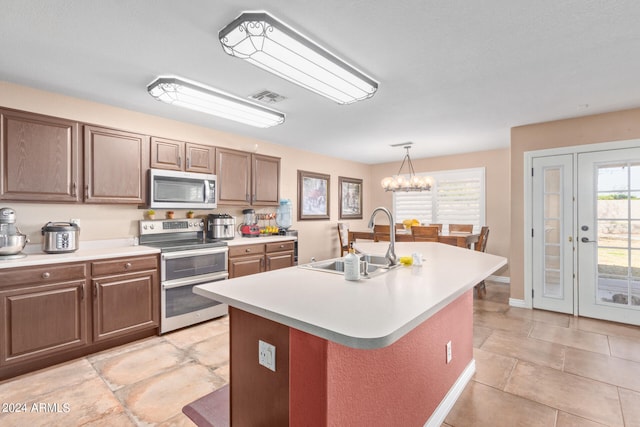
267, 97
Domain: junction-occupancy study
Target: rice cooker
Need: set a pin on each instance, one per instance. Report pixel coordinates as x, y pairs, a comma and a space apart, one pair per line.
221, 226
60, 237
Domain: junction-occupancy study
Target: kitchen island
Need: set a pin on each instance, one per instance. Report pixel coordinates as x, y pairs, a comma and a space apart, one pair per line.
371, 352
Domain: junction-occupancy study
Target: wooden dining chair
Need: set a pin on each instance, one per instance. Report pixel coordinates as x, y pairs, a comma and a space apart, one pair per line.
426, 233
460, 228
399, 226
343, 236
439, 227
381, 233
481, 246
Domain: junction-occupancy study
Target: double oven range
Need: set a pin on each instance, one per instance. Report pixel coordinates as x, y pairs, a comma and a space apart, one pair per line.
187, 259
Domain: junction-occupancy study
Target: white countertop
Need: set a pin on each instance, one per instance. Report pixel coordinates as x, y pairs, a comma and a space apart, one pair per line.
87, 250
370, 313
239, 240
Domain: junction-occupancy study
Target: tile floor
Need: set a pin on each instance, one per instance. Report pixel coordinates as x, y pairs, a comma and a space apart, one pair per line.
533, 368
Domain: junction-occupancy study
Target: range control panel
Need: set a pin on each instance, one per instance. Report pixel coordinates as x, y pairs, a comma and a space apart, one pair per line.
162, 226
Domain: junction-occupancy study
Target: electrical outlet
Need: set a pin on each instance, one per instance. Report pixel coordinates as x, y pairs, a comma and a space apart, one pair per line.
267, 355
449, 352
75, 221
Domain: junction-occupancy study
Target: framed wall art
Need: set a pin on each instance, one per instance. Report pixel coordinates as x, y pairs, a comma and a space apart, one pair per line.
313, 195
350, 196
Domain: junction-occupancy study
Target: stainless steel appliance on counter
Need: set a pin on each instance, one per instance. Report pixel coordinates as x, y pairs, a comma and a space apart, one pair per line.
187, 259
60, 237
221, 226
12, 241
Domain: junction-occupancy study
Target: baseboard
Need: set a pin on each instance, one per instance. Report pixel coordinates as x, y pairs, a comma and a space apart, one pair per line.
441, 412
517, 303
499, 279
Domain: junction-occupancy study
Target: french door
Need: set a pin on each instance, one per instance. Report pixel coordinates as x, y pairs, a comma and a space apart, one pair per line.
586, 234
609, 235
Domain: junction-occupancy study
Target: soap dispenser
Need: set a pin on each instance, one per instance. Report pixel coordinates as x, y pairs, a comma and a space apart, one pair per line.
352, 265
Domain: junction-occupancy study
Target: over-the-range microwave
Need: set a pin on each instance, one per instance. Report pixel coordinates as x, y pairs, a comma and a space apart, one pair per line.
178, 190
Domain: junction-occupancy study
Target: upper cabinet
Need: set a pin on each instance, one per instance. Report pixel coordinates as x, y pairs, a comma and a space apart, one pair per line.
115, 165
182, 156
246, 179
40, 158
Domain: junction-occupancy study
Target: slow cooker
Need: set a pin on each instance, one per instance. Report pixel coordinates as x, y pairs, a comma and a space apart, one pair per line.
60, 237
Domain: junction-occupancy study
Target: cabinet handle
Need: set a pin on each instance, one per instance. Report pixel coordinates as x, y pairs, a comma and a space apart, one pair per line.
127, 266
86, 191
46, 275
73, 189
188, 162
246, 198
81, 293
261, 263
95, 290
179, 161
247, 250
281, 246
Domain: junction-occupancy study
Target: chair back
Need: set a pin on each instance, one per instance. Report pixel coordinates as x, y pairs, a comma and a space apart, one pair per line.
481, 244
381, 233
427, 233
461, 228
343, 236
399, 226
439, 227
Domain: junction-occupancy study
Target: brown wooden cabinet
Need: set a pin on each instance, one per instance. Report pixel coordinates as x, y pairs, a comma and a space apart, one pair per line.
256, 258
125, 296
246, 179
182, 156
40, 158
279, 255
43, 311
115, 165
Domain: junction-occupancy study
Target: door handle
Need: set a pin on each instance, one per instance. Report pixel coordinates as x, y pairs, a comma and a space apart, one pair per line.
586, 240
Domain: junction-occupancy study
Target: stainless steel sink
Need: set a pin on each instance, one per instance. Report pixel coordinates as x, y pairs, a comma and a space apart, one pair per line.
375, 265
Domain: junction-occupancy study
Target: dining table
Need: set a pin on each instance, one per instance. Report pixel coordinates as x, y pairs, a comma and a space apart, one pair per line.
461, 239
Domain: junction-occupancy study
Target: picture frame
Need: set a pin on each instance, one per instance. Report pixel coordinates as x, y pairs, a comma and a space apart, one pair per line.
313, 195
350, 197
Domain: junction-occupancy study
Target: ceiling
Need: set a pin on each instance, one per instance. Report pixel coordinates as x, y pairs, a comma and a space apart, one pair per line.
454, 76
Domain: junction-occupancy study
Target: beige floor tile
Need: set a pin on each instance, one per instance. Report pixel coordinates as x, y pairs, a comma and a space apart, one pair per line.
162, 397
180, 420
524, 348
576, 338
630, 401
185, 338
125, 348
499, 292
480, 334
492, 369
212, 352
113, 420
558, 319
625, 348
603, 327
86, 402
608, 369
224, 372
568, 420
499, 321
481, 405
27, 387
573, 394
487, 305
145, 362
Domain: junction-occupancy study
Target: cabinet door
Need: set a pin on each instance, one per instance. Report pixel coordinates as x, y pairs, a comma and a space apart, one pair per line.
166, 154
278, 260
265, 180
39, 321
40, 158
244, 266
115, 166
233, 169
200, 158
124, 304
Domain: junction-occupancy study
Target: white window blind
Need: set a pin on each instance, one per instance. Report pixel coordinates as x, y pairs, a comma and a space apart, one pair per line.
457, 197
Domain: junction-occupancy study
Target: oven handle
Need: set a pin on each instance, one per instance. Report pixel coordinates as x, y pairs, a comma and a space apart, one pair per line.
203, 278
194, 252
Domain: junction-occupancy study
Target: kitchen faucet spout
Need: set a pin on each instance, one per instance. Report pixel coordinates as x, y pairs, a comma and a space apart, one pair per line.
391, 251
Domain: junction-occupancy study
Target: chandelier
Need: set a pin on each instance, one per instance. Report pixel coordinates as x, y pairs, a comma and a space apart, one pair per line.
412, 182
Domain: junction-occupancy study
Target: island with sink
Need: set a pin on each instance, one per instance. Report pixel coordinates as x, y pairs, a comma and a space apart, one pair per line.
394, 348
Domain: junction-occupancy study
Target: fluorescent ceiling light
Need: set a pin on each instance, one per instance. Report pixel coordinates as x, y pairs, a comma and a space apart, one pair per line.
195, 96
272, 45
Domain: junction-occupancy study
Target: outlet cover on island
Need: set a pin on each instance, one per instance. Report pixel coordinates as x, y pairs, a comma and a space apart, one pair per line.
267, 355
449, 352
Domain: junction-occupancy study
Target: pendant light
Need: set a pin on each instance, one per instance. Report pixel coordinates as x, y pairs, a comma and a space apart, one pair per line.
412, 182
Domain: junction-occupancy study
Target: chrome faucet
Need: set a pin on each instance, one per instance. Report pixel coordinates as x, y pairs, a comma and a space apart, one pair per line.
391, 252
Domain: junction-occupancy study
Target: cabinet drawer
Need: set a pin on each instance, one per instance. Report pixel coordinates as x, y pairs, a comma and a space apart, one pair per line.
280, 246
246, 250
123, 265
42, 274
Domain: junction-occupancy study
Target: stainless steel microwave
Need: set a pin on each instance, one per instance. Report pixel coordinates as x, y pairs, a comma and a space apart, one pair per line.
177, 190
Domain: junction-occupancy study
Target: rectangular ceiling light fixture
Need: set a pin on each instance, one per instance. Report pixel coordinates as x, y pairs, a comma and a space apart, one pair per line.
195, 96
273, 46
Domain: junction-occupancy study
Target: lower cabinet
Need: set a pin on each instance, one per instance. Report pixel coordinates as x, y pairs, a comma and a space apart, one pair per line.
57, 312
257, 258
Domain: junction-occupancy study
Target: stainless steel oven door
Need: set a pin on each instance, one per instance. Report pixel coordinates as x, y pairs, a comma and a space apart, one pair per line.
192, 263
